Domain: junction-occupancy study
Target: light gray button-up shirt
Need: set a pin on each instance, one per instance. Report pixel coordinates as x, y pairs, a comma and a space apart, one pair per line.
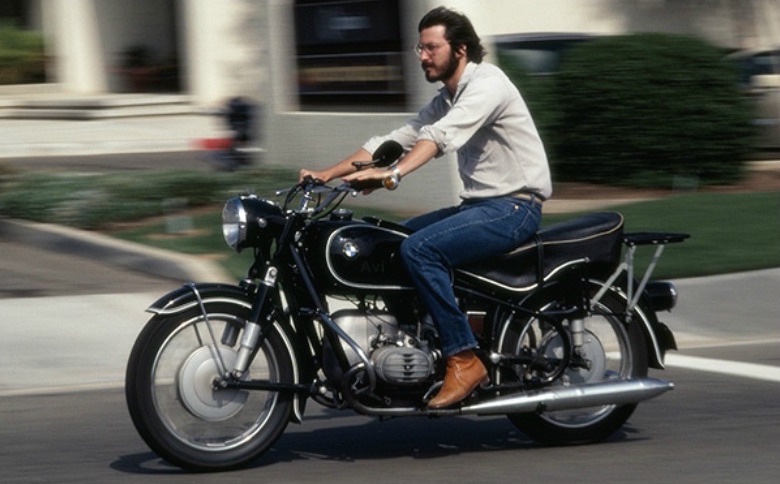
490, 127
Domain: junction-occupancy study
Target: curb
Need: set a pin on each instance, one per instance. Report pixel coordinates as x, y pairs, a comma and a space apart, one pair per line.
137, 257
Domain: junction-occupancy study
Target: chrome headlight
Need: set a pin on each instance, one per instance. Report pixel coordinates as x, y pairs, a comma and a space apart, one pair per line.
249, 221
234, 222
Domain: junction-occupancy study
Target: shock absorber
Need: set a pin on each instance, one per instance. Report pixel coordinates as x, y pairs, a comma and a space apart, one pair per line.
577, 329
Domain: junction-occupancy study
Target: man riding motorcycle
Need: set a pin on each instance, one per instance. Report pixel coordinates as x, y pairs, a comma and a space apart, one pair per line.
481, 115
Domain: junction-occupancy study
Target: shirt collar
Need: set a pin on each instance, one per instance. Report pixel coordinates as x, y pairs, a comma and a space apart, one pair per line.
468, 73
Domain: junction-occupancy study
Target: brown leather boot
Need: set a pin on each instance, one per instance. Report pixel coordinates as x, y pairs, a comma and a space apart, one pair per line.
464, 372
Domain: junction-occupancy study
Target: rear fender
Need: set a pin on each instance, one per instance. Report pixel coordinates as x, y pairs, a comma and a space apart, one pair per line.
186, 298
658, 336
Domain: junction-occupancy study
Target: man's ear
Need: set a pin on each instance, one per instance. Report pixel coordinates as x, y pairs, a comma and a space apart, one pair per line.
461, 51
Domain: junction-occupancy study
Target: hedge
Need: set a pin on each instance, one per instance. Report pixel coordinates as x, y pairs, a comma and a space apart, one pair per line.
22, 59
643, 110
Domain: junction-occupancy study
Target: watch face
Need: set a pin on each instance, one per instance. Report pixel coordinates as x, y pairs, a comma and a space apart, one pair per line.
391, 182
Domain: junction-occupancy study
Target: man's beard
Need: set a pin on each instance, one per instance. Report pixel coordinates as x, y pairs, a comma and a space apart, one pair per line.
449, 70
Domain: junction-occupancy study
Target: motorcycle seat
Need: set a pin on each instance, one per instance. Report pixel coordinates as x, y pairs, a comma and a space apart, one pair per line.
596, 238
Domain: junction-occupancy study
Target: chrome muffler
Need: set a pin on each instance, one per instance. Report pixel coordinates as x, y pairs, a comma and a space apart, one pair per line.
569, 398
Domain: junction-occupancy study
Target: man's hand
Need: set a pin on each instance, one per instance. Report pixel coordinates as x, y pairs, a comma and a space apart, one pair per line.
317, 175
371, 177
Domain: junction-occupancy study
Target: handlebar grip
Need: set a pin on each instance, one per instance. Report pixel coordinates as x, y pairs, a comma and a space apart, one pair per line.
365, 184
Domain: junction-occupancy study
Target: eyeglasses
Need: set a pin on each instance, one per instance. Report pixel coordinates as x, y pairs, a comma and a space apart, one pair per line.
427, 48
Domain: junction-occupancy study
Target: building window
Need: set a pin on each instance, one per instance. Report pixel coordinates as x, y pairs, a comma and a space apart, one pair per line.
349, 55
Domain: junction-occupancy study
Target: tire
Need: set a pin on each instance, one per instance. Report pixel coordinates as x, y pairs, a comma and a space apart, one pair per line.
173, 406
615, 349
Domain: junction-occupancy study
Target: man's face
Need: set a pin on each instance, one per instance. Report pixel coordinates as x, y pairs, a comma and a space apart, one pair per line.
437, 57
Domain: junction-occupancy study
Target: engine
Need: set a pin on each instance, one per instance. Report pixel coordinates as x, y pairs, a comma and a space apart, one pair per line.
400, 356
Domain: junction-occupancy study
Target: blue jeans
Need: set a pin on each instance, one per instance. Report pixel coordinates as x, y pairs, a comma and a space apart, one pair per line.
455, 236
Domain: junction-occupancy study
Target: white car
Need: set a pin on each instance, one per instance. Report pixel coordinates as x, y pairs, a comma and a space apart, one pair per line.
759, 72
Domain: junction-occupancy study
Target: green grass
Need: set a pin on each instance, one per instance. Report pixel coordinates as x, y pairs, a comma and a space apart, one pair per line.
203, 237
729, 232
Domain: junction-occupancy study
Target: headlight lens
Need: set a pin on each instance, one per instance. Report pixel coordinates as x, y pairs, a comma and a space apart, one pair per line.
234, 219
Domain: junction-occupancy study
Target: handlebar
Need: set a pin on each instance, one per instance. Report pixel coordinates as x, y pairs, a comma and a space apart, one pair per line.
387, 153
326, 197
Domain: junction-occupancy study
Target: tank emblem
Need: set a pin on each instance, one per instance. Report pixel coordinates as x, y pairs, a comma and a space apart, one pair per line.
350, 250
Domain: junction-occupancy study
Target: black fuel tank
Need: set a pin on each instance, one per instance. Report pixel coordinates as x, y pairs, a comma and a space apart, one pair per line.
356, 257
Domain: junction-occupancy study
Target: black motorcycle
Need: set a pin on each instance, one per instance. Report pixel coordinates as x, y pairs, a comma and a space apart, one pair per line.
328, 313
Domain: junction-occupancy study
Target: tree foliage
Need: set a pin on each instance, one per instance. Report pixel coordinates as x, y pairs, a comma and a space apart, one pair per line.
645, 109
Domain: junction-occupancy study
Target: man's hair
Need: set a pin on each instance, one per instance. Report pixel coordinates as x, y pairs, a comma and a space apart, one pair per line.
458, 31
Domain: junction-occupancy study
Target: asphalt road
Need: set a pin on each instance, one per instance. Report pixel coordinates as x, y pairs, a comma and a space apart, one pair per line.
29, 271
712, 428
718, 425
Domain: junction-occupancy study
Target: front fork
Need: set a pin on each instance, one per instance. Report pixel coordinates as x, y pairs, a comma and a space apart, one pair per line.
252, 329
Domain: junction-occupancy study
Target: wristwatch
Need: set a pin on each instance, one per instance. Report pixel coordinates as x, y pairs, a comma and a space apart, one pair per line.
393, 179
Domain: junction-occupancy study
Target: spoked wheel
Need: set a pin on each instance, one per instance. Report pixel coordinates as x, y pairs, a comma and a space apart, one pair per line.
175, 405
612, 350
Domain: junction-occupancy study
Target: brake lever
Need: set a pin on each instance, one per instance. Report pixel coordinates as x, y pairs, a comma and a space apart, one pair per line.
363, 164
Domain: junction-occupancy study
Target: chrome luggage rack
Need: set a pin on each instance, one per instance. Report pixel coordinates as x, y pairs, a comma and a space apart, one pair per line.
632, 241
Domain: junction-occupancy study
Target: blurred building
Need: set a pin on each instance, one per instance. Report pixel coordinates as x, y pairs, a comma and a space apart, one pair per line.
208, 49
330, 73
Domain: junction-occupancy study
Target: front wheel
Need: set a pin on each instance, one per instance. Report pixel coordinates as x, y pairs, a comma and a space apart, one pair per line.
612, 350
174, 405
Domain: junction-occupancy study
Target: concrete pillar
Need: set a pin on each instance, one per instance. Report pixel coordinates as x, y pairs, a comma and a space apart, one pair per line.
222, 49
80, 63
280, 38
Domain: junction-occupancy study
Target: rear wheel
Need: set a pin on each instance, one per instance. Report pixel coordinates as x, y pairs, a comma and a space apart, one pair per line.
173, 402
611, 350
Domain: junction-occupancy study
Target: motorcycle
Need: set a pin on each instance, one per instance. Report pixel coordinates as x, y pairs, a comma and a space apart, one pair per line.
231, 152
327, 312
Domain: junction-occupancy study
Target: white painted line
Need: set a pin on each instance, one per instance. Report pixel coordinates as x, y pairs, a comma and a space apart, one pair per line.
725, 367
61, 389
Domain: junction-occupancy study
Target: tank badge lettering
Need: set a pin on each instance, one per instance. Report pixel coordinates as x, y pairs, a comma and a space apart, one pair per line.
372, 267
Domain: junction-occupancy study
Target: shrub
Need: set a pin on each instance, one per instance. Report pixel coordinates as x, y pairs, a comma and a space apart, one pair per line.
98, 201
22, 59
645, 109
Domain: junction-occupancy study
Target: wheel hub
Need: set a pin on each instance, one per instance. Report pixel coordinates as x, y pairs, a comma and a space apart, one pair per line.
592, 350
196, 386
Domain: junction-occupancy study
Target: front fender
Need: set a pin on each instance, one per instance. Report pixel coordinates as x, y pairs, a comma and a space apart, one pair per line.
186, 297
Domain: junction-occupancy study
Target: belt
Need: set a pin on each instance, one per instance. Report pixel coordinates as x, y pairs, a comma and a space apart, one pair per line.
528, 197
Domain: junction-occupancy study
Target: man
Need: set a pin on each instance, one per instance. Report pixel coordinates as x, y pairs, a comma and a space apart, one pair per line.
501, 160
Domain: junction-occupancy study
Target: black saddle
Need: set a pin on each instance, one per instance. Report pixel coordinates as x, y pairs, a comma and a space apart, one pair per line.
595, 238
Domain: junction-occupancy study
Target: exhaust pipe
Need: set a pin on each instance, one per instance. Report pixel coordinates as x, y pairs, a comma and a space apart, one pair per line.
568, 398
